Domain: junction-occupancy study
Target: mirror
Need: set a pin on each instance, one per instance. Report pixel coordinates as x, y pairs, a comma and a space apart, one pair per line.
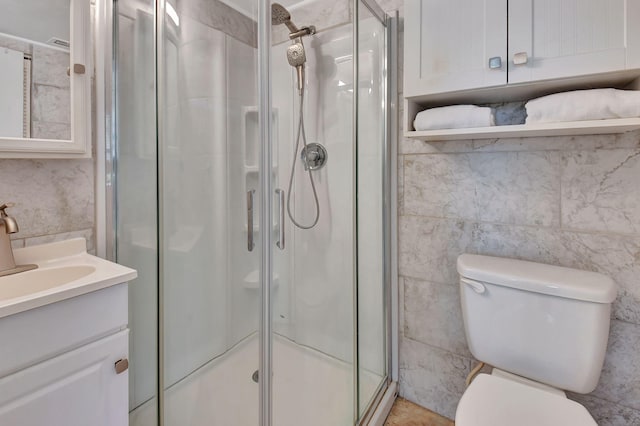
44, 89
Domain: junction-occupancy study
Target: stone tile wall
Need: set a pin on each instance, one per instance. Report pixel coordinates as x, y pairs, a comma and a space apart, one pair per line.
570, 201
54, 199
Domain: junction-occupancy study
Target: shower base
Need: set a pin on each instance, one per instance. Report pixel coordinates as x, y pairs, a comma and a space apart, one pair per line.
309, 387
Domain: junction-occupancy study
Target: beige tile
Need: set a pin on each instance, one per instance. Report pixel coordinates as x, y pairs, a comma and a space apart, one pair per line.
406, 413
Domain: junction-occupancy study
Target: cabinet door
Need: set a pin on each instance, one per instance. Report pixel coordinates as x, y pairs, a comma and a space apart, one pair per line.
566, 38
448, 44
78, 388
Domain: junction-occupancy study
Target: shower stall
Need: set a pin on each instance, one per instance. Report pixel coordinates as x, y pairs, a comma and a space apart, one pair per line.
250, 183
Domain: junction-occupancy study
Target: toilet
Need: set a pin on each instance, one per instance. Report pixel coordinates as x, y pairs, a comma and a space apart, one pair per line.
543, 329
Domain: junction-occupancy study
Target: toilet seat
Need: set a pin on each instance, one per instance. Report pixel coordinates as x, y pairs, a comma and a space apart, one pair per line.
495, 401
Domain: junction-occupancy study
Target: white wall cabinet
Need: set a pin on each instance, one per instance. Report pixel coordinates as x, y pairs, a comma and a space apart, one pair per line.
449, 43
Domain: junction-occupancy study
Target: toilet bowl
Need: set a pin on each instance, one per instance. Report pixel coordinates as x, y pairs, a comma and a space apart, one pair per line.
543, 329
492, 400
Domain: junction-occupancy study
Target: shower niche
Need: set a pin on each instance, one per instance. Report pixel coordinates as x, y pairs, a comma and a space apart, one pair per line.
251, 175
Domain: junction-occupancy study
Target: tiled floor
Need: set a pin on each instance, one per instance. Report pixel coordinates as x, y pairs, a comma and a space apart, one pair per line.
405, 413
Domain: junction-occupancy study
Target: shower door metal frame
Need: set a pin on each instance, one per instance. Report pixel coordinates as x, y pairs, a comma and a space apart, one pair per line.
267, 195
388, 186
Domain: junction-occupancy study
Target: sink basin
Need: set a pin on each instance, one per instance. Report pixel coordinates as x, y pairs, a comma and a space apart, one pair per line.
65, 270
38, 280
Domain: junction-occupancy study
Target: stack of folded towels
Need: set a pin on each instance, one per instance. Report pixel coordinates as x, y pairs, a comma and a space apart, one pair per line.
454, 117
579, 105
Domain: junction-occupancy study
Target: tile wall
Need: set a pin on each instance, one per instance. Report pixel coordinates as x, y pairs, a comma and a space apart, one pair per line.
54, 199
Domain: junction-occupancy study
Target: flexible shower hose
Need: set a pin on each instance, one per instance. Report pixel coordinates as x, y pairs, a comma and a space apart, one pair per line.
302, 136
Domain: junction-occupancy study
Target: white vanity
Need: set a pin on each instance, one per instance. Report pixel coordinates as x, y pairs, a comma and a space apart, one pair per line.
64, 339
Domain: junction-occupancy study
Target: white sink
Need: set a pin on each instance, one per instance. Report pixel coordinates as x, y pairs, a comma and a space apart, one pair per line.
38, 280
65, 270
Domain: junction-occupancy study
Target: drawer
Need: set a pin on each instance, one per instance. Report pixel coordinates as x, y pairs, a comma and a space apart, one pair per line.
33, 336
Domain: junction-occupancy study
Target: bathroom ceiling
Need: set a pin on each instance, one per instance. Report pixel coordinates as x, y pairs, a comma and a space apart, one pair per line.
36, 20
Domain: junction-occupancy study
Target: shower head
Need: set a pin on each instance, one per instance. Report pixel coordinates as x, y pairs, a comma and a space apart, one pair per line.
296, 55
297, 58
280, 15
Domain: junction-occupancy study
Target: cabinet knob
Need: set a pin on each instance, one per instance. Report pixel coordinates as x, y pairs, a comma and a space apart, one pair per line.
77, 69
121, 365
495, 63
520, 58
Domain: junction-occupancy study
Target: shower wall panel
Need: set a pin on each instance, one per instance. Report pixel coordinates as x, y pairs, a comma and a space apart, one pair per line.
321, 260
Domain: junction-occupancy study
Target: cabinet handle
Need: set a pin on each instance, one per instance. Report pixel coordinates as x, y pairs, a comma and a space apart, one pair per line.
520, 58
495, 63
121, 365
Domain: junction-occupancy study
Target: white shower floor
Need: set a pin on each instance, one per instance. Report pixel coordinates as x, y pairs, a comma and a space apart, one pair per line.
309, 388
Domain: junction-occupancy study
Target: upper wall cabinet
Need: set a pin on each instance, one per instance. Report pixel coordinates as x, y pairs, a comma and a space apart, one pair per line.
455, 45
448, 44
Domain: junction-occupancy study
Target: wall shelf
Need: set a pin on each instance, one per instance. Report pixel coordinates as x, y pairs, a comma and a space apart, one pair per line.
568, 128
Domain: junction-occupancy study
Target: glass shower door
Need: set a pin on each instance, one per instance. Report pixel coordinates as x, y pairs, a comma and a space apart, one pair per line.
209, 214
313, 288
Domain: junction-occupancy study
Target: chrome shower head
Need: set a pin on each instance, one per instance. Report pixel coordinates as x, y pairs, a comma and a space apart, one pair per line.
280, 15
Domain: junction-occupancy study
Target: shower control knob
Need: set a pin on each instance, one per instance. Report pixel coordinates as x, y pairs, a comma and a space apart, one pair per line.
314, 156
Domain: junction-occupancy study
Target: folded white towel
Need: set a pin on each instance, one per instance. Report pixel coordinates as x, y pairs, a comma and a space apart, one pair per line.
595, 104
454, 117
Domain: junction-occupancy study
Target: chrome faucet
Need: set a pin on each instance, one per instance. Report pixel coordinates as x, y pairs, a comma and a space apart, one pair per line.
8, 225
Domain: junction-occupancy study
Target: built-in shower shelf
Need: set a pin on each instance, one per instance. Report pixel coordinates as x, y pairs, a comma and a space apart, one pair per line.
570, 128
252, 281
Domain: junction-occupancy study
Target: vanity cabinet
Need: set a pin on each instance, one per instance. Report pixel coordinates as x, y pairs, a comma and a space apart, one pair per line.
456, 45
65, 363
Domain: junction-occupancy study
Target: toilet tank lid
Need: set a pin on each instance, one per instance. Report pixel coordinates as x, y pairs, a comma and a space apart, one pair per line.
539, 278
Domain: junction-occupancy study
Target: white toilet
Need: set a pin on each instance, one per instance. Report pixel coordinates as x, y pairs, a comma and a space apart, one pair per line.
543, 328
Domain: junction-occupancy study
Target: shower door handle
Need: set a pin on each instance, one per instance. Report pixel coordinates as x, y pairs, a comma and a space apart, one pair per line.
280, 242
250, 243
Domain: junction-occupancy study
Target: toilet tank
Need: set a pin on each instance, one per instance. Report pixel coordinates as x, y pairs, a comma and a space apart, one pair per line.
543, 322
